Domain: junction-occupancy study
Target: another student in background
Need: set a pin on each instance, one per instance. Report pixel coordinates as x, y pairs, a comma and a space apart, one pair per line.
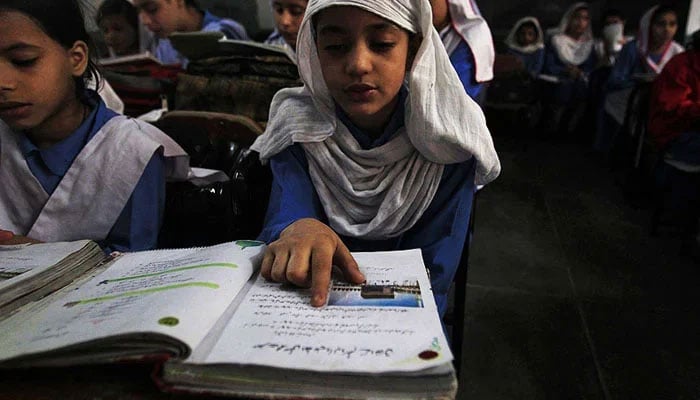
70, 167
612, 37
674, 111
639, 62
467, 39
569, 59
525, 40
650, 51
288, 15
119, 22
368, 155
164, 17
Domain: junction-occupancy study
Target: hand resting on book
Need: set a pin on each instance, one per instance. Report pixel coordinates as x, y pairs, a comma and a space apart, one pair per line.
304, 256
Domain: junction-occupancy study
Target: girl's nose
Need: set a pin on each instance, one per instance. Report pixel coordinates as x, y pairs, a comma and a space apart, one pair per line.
359, 60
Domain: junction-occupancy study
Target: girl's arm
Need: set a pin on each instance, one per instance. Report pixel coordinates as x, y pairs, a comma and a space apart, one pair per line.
303, 248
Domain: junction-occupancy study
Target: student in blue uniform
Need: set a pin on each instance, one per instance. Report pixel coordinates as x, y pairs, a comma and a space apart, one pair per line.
70, 167
467, 39
639, 61
569, 59
526, 41
367, 155
288, 15
164, 17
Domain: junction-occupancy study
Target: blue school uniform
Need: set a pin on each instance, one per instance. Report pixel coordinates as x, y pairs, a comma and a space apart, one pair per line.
462, 60
567, 89
627, 65
533, 62
167, 54
139, 223
440, 232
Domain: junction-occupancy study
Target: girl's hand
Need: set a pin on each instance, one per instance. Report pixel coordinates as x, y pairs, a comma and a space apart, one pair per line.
304, 256
574, 72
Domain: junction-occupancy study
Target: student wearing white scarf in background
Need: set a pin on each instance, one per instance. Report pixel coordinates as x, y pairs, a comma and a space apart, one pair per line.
639, 60
365, 158
467, 39
526, 41
569, 57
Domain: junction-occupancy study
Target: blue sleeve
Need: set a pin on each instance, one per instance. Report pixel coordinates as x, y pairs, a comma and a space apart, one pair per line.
463, 62
139, 222
233, 30
621, 74
292, 195
552, 64
536, 63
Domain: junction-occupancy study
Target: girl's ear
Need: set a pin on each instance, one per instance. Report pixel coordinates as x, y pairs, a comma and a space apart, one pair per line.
79, 58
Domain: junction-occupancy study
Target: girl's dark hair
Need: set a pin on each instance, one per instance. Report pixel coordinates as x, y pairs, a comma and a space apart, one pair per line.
663, 9
118, 7
62, 21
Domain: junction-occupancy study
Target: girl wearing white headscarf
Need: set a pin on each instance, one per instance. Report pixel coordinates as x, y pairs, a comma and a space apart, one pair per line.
467, 39
650, 51
526, 41
337, 186
569, 57
641, 59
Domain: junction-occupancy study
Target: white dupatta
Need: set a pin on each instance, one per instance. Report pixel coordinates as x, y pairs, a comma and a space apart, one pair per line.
644, 41
381, 192
512, 38
572, 51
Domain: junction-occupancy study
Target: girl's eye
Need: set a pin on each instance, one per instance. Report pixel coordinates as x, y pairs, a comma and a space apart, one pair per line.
296, 11
150, 9
383, 46
28, 62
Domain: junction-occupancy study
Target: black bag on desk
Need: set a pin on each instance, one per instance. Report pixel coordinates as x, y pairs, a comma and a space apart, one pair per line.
222, 211
235, 84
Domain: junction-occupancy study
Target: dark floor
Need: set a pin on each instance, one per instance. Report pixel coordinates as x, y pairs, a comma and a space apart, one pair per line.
568, 295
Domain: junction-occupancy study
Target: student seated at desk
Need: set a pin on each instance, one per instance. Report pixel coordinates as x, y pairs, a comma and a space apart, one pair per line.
119, 23
639, 61
288, 15
367, 156
467, 39
70, 167
526, 42
164, 17
569, 58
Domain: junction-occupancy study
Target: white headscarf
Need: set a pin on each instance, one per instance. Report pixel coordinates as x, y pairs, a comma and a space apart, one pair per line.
381, 192
644, 40
467, 24
570, 50
512, 39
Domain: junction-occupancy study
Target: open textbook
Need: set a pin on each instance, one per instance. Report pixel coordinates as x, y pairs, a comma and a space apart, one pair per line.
225, 330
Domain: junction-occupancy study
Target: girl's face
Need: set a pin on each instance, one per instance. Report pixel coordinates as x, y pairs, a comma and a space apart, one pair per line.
363, 61
119, 34
578, 24
37, 87
160, 16
288, 16
664, 28
526, 35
